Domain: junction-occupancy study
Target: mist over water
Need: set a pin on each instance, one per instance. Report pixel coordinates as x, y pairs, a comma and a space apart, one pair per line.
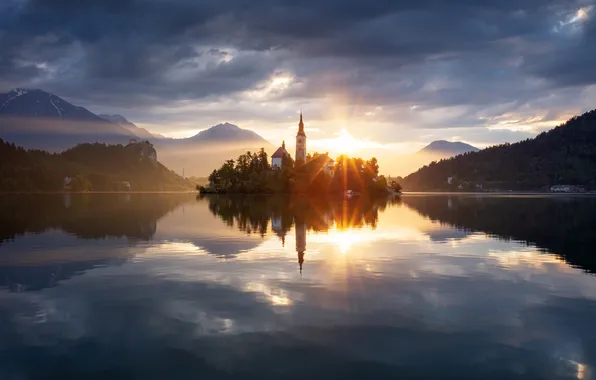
156, 286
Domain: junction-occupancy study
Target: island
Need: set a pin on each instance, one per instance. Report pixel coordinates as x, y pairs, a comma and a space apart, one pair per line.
317, 173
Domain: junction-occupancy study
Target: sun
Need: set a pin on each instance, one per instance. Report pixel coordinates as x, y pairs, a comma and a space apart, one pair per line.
345, 239
345, 143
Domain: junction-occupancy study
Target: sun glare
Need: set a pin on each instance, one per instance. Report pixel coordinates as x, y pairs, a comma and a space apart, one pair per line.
345, 143
344, 240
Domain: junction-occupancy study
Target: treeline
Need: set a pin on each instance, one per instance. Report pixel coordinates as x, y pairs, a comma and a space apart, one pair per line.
98, 167
86, 216
251, 173
565, 155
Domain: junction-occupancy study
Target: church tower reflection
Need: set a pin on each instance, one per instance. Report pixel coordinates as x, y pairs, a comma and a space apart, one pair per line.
300, 242
281, 225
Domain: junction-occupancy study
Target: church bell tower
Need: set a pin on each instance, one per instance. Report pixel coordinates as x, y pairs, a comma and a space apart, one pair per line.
301, 142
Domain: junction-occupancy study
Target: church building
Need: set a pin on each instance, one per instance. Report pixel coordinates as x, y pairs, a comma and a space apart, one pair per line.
278, 156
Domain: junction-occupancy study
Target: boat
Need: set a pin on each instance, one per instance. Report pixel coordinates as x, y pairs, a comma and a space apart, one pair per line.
349, 194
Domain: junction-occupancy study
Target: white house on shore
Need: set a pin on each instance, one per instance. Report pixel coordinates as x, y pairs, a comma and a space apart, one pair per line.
277, 157
325, 162
567, 189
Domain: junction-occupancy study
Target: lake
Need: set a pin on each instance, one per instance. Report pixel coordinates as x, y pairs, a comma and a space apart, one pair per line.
133, 286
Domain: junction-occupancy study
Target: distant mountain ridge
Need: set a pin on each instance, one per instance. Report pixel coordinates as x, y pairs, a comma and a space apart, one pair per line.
448, 148
40, 120
131, 127
226, 132
565, 155
39, 104
200, 154
402, 165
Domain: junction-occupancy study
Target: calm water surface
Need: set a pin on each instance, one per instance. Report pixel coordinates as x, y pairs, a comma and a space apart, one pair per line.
180, 287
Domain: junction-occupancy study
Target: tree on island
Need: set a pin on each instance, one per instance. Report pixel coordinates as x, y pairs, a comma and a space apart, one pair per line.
247, 174
251, 173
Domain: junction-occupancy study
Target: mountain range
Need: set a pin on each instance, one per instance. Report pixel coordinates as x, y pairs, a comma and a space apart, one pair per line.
35, 119
198, 155
130, 127
40, 120
404, 164
445, 149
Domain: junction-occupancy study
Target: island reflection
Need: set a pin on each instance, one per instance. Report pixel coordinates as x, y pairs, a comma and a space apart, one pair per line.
254, 215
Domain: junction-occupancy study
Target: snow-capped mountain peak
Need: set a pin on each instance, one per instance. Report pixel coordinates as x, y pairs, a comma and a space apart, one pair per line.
15, 92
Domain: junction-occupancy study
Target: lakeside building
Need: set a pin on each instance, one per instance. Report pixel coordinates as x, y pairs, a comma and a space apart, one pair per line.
567, 189
300, 157
278, 156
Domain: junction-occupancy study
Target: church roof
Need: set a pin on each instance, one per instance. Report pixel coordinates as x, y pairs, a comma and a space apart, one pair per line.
280, 153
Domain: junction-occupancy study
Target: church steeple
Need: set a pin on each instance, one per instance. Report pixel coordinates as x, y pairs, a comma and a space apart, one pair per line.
301, 142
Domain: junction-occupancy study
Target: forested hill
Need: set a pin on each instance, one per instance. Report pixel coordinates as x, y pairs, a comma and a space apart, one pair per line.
97, 167
565, 155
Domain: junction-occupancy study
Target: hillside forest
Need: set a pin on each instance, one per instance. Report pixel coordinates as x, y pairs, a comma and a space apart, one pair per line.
565, 155
97, 167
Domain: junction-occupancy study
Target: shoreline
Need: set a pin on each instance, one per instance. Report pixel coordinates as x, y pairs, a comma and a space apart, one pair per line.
405, 193
94, 192
498, 194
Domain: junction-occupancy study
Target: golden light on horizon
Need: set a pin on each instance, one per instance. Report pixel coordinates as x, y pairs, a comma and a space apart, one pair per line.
344, 142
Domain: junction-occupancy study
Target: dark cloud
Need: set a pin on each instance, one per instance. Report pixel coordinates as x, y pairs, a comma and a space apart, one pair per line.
570, 59
388, 52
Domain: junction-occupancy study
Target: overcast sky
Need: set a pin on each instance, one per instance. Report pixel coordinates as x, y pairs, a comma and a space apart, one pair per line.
396, 73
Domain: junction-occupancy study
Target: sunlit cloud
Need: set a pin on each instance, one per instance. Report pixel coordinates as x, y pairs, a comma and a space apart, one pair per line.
575, 21
273, 86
